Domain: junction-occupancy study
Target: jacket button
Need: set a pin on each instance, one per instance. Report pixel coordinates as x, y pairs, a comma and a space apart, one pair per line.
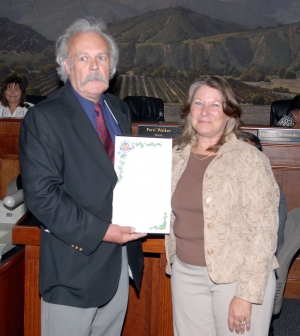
80, 249
208, 176
208, 200
220, 156
72, 246
76, 247
210, 225
210, 251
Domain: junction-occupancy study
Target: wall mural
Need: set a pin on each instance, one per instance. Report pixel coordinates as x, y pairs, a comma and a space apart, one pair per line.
164, 45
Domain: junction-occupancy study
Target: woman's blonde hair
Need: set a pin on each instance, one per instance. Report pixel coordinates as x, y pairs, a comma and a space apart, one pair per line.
230, 107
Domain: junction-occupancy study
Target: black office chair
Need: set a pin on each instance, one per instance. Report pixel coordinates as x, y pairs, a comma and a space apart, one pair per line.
146, 108
34, 99
279, 108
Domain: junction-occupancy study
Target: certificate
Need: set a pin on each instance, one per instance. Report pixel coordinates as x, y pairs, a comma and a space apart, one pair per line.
142, 196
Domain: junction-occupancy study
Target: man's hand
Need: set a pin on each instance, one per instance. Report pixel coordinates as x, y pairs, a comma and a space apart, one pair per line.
239, 316
121, 234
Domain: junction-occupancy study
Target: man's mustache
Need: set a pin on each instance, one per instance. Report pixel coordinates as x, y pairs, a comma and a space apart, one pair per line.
92, 77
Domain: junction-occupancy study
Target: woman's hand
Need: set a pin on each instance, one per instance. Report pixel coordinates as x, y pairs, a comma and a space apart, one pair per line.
239, 313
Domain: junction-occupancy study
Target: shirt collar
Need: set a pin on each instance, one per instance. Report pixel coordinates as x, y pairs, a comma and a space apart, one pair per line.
83, 101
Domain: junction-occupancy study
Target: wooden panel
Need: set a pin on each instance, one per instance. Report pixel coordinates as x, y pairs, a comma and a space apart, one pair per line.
9, 144
9, 135
154, 244
9, 152
9, 169
10, 126
26, 231
142, 307
12, 295
283, 155
150, 311
292, 289
289, 180
165, 304
294, 272
32, 297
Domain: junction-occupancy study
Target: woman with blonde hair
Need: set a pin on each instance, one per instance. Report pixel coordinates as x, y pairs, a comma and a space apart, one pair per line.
221, 248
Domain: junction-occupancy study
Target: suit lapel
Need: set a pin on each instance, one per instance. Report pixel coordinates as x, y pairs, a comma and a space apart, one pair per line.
115, 107
87, 135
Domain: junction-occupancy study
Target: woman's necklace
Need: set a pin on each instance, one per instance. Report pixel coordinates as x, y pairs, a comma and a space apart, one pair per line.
204, 157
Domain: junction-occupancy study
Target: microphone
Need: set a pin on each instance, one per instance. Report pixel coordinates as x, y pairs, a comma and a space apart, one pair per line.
15, 199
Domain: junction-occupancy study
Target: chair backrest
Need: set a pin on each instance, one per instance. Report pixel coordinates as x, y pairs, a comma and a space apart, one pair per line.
146, 108
286, 254
34, 99
279, 108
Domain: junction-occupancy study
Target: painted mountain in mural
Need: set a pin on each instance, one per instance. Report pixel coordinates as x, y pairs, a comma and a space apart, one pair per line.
160, 47
26, 53
175, 38
171, 25
181, 39
240, 13
50, 18
21, 38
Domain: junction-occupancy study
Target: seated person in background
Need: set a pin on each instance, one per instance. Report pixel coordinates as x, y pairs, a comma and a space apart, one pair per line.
12, 98
293, 118
253, 140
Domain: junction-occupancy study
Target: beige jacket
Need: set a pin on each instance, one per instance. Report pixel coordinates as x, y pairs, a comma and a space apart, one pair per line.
240, 207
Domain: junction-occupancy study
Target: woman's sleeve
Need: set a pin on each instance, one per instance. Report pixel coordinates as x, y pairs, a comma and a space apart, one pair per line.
259, 203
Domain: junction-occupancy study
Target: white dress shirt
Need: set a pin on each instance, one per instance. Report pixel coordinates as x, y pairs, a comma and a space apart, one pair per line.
19, 112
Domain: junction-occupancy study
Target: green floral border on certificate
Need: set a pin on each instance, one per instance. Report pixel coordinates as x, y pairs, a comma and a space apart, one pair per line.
123, 156
121, 164
163, 226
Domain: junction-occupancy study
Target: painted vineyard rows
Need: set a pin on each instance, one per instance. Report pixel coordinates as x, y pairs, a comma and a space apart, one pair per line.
169, 90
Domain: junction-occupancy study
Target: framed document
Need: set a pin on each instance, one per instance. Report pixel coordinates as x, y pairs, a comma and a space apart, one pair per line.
142, 196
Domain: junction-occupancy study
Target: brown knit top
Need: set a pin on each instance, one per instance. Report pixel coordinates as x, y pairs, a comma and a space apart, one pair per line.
188, 209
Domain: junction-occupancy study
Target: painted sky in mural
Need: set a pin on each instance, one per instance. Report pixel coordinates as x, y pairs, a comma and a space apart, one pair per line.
51, 17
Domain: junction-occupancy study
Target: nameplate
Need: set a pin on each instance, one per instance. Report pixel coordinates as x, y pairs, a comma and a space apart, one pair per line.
279, 135
159, 131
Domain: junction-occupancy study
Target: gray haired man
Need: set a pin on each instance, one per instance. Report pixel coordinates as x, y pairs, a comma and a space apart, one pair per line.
66, 157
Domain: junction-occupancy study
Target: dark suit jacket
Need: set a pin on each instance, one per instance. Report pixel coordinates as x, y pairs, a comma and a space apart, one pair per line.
68, 181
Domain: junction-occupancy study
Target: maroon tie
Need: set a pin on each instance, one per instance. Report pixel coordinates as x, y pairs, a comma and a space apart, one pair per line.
104, 134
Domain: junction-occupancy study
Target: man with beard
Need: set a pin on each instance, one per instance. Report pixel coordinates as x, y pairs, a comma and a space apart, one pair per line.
66, 156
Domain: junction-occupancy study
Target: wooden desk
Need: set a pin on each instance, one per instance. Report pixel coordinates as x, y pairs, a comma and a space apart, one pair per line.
27, 232
151, 314
148, 314
285, 162
12, 292
9, 152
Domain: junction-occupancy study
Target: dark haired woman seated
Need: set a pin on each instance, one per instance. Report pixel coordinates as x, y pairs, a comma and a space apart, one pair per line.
293, 118
12, 98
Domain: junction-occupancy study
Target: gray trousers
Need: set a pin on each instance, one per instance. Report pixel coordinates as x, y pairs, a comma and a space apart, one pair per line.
200, 307
60, 320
